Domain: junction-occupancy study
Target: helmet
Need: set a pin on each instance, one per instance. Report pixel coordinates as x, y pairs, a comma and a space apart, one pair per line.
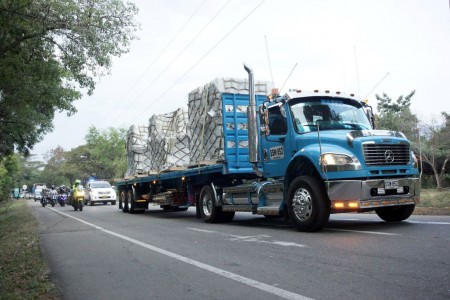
78, 181
53, 186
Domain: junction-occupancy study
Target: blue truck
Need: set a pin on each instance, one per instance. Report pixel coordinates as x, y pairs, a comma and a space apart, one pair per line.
309, 154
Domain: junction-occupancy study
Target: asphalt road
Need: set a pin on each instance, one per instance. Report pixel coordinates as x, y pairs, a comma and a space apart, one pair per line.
102, 253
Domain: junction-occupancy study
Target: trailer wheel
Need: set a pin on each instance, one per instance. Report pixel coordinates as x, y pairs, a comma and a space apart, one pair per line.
209, 211
123, 201
308, 206
395, 213
132, 205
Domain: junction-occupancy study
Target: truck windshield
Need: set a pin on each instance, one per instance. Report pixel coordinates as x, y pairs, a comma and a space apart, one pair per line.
329, 114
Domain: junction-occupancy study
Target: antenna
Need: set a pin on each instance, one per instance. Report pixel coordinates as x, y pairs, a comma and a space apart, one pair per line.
268, 58
377, 85
288, 77
356, 66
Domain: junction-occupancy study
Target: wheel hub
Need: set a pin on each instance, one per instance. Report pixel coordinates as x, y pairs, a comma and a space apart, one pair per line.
302, 204
207, 205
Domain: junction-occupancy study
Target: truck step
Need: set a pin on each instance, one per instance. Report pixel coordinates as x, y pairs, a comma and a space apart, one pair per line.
272, 188
268, 210
248, 208
240, 189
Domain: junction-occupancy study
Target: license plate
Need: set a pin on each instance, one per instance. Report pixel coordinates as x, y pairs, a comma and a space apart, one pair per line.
391, 184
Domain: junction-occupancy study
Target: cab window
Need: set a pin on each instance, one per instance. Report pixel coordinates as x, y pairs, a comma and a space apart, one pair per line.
277, 122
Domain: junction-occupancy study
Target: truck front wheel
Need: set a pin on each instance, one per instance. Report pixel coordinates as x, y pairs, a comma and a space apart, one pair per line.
209, 211
307, 204
395, 213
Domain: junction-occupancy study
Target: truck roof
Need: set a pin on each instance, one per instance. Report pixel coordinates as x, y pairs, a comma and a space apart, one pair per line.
292, 94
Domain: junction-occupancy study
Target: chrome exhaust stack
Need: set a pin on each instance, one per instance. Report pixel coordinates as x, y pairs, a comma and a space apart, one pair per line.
252, 123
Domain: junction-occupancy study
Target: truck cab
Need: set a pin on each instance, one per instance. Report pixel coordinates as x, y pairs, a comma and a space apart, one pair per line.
323, 147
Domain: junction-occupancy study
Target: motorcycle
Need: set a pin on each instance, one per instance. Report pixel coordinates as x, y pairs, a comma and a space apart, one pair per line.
62, 199
53, 199
44, 200
78, 198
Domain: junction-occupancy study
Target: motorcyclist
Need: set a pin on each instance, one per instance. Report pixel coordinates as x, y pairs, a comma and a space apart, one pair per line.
52, 190
52, 195
44, 198
74, 188
76, 184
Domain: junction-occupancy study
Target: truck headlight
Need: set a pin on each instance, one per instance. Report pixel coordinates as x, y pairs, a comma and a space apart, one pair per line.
334, 162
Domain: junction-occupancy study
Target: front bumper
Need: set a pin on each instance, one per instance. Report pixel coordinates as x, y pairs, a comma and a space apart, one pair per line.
364, 195
102, 198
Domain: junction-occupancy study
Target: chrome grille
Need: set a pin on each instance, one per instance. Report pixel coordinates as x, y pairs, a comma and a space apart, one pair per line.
386, 154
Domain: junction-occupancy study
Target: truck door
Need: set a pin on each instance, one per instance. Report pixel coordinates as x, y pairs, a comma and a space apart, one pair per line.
275, 143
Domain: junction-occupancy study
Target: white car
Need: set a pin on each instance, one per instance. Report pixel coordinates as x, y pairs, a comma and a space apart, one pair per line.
100, 191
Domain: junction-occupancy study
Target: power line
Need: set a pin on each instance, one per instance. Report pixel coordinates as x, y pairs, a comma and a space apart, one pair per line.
198, 61
154, 61
268, 58
176, 57
377, 85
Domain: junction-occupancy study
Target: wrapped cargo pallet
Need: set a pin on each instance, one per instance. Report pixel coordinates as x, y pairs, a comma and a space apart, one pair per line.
137, 152
168, 140
205, 116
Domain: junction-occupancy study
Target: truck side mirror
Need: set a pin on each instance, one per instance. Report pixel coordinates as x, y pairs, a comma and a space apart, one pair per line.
263, 119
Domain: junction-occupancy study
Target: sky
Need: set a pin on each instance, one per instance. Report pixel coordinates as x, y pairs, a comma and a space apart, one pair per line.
364, 47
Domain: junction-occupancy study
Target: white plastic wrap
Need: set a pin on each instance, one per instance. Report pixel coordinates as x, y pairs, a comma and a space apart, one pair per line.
138, 155
205, 116
168, 141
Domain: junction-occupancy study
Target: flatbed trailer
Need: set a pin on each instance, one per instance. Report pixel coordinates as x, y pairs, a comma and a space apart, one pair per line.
177, 188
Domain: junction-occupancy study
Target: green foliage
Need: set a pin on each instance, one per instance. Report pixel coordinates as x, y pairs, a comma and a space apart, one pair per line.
436, 148
106, 152
49, 51
103, 156
397, 115
9, 168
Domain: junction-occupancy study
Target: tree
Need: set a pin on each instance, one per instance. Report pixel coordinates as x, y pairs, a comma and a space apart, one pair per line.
436, 150
9, 167
51, 50
107, 152
53, 173
103, 155
398, 116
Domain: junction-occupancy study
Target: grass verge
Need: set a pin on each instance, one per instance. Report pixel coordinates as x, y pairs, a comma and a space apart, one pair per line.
435, 199
433, 202
23, 271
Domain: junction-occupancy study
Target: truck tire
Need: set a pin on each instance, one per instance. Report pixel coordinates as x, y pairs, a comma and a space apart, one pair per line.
209, 211
307, 204
395, 213
123, 201
131, 203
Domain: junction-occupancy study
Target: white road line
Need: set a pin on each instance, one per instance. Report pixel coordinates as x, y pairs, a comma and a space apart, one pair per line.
361, 231
429, 223
241, 279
